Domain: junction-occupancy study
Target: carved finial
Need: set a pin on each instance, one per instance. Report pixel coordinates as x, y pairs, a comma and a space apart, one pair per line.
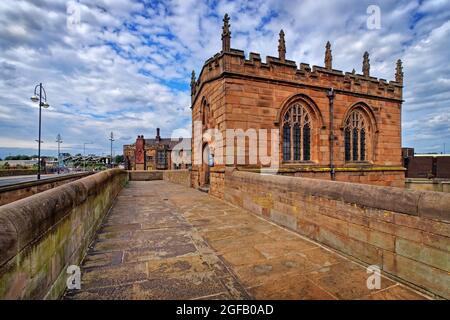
328, 56
353, 71
366, 65
226, 34
282, 47
399, 72
193, 82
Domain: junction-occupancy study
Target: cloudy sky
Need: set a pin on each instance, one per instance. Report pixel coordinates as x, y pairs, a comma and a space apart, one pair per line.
124, 65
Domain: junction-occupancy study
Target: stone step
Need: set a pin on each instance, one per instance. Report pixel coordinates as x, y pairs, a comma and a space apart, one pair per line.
204, 188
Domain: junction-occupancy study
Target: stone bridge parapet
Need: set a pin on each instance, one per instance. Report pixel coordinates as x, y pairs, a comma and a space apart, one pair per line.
404, 232
22, 190
41, 235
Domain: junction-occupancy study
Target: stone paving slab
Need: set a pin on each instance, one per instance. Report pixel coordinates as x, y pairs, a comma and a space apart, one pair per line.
164, 241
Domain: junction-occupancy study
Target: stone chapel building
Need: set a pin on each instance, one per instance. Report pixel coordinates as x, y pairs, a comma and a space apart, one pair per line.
332, 125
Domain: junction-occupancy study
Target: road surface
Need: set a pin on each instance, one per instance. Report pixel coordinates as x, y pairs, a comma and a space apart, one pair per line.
6, 181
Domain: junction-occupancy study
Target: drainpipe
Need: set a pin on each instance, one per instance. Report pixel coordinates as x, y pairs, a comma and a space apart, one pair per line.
330, 95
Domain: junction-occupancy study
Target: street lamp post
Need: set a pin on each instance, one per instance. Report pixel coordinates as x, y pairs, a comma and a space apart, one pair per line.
84, 154
111, 139
331, 94
58, 139
42, 103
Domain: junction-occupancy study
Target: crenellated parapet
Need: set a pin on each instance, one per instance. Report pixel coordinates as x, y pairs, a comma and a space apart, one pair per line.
233, 63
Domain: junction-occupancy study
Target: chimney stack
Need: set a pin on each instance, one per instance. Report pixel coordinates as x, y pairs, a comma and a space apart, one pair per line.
158, 138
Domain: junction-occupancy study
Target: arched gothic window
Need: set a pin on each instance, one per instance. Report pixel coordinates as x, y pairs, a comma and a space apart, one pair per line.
296, 134
355, 137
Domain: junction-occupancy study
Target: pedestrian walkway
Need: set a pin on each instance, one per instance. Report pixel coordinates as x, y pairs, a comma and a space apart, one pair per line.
165, 241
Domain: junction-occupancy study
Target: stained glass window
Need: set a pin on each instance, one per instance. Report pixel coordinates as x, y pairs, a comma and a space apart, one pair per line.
306, 142
286, 142
355, 137
296, 134
296, 142
347, 144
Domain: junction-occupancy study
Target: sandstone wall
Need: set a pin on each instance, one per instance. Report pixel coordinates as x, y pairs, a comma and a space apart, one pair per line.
428, 184
15, 192
144, 175
40, 236
380, 176
182, 177
209, 110
217, 185
253, 104
405, 232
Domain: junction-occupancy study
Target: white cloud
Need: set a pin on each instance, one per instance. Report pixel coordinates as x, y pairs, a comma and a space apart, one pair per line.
126, 67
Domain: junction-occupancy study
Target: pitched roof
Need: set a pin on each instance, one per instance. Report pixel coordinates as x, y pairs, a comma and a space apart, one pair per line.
165, 141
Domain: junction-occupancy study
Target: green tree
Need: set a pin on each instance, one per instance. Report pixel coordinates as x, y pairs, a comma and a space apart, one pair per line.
18, 157
119, 158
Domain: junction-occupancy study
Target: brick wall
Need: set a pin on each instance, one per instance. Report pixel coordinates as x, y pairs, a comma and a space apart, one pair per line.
443, 167
40, 236
405, 232
428, 167
419, 167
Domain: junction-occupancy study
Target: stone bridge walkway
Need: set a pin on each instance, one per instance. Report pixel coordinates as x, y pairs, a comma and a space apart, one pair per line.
164, 241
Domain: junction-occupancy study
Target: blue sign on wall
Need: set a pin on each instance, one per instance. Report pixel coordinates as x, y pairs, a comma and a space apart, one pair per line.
210, 160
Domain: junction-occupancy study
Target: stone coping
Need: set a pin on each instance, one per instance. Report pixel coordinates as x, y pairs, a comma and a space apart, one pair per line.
427, 181
26, 220
28, 184
427, 204
286, 168
140, 171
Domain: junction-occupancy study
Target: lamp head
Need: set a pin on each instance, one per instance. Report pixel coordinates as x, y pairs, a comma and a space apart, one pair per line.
45, 105
34, 98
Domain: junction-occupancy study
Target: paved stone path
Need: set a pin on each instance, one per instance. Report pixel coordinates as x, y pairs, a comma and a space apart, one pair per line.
165, 241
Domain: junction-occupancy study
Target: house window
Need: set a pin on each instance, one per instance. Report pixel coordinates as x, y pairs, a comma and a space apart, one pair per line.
296, 134
355, 137
161, 158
